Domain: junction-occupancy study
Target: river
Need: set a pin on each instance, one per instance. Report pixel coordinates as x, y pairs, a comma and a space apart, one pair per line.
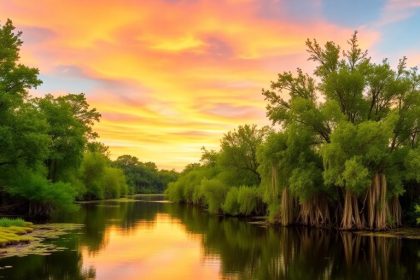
159, 240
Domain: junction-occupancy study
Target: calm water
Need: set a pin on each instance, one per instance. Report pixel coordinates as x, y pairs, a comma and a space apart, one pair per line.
153, 240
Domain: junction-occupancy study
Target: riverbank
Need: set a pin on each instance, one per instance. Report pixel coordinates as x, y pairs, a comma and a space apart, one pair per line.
21, 238
128, 198
14, 231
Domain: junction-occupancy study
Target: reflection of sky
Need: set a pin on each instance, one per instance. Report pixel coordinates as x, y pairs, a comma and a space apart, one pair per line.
162, 250
171, 76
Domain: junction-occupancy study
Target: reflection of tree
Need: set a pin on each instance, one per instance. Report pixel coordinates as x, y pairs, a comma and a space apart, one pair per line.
97, 218
247, 251
377, 257
60, 265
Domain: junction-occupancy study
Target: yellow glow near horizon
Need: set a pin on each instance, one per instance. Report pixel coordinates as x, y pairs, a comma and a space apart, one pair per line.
179, 253
168, 76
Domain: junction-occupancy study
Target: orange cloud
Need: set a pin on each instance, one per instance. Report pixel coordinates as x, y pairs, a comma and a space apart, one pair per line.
168, 76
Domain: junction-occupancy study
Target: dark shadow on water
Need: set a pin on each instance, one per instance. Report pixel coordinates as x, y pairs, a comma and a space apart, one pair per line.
245, 251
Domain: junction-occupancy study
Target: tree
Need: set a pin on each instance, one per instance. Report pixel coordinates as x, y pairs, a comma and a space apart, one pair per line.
238, 154
70, 127
21, 128
24, 139
364, 118
144, 177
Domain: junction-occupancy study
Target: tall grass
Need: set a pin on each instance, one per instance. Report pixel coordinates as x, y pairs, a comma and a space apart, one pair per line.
18, 222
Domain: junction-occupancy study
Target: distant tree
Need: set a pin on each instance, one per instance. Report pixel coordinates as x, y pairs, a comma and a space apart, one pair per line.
144, 177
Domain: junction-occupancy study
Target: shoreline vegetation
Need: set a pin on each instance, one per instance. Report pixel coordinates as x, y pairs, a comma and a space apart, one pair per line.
342, 152
21, 238
14, 231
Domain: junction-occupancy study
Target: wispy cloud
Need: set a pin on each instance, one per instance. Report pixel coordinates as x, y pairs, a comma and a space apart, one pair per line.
172, 76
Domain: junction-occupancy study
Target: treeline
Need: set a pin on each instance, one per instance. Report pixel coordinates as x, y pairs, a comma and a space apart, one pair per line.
144, 177
344, 152
227, 181
48, 153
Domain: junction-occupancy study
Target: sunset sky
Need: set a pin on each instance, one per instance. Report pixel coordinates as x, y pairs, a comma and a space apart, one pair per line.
172, 76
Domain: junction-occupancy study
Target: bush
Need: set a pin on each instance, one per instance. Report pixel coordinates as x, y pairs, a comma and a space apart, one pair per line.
243, 201
188, 187
214, 192
249, 200
7, 222
92, 170
231, 205
114, 183
42, 195
174, 192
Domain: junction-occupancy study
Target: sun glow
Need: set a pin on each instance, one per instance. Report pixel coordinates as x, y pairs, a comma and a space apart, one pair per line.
172, 76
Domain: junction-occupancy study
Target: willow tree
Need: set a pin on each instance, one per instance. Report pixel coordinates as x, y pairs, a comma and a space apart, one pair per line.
274, 181
350, 96
296, 177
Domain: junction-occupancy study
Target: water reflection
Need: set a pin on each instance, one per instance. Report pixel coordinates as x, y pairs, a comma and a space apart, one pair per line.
147, 240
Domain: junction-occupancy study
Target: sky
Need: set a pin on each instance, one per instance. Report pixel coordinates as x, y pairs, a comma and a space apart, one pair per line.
171, 76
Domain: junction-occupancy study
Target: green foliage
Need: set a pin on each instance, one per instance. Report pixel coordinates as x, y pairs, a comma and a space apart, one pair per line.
188, 188
243, 201
359, 117
249, 200
92, 170
354, 153
47, 156
18, 222
42, 195
99, 178
412, 164
231, 204
144, 177
114, 183
70, 126
214, 192
224, 181
174, 192
356, 176
418, 213
238, 155
306, 181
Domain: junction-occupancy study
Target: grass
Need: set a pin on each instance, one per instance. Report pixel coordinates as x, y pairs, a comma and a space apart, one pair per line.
13, 231
7, 222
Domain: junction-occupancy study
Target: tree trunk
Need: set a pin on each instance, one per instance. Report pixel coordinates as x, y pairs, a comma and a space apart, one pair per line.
286, 208
351, 216
378, 211
395, 211
314, 212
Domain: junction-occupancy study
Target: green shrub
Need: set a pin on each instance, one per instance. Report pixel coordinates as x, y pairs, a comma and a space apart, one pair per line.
187, 188
174, 192
249, 199
114, 183
243, 201
214, 192
43, 195
231, 205
18, 222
